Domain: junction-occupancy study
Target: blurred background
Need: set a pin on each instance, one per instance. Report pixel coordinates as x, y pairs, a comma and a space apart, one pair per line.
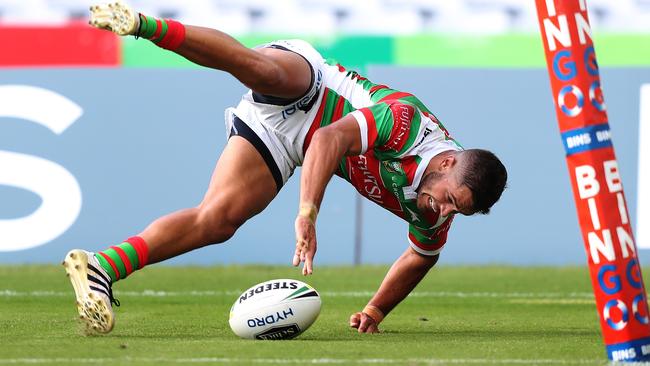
99, 135
331, 17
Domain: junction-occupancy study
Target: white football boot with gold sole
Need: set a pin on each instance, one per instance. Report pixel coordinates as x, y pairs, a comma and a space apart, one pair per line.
116, 17
92, 287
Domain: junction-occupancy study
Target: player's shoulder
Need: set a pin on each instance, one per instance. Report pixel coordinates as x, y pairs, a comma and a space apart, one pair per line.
403, 101
401, 111
399, 120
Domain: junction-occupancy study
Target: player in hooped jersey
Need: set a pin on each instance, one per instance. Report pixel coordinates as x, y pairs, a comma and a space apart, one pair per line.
300, 110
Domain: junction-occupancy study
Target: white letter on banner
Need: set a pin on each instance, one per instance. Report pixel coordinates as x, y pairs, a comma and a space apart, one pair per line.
550, 8
604, 247
583, 28
583, 6
57, 187
42, 106
643, 183
626, 241
588, 186
593, 211
561, 34
622, 210
612, 176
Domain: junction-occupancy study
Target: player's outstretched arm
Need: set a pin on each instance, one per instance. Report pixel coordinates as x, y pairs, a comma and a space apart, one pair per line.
268, 71
328, 146
407, 271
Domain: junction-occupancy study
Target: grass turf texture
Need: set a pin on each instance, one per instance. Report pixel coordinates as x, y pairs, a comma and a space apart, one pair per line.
172, 315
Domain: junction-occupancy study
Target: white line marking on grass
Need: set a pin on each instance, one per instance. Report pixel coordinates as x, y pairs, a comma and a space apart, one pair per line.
284, 361
553, 301
364, 294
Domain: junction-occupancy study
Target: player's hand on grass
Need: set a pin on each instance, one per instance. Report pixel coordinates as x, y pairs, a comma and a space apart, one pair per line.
364, 323
305, 244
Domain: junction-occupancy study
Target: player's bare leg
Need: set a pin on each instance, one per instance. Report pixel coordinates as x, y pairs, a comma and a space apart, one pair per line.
268, 71
242, 186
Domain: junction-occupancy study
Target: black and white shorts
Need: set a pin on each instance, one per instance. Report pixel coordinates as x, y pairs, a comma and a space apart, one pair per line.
277, 127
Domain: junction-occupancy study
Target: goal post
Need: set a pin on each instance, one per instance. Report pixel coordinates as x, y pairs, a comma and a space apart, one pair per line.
595, 178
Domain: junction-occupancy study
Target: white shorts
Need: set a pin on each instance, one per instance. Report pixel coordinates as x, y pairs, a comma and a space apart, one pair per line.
281, 125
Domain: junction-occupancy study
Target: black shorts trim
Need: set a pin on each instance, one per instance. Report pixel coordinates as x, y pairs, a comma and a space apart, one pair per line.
240, 128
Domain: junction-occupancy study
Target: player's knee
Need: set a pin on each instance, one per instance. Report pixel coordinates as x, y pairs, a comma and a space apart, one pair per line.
217, 225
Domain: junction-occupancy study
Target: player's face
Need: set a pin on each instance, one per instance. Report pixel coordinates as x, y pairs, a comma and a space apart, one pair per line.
441, 193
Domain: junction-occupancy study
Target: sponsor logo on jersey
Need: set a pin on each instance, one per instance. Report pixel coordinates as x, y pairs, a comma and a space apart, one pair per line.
370, 185
402, 117
365, 176
394, 167
427, 132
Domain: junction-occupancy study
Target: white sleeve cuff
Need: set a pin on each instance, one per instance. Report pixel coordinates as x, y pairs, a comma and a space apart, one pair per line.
422, 251
363, 127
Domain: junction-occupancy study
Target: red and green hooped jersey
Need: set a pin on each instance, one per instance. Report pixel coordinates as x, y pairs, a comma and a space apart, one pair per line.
399, 137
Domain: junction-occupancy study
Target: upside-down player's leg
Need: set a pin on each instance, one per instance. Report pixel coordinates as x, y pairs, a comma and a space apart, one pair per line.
267, 71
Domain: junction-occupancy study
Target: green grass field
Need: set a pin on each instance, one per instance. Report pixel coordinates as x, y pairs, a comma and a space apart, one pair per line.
179, 315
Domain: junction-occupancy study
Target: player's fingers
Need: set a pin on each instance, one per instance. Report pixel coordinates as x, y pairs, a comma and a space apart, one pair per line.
368, 328
362, 327
372, 328
363, 324
297, 257
354, 320
305, 251
367, 325
307, 269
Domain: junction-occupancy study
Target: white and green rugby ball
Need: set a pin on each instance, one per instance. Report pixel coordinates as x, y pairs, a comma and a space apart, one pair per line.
276, 309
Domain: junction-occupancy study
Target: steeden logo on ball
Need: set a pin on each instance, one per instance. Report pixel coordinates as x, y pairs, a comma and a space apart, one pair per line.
275, 309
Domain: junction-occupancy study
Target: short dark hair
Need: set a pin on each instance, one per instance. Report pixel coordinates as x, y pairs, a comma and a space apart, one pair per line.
485, 176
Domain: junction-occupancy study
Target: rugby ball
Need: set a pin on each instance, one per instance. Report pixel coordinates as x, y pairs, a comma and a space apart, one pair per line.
276, 309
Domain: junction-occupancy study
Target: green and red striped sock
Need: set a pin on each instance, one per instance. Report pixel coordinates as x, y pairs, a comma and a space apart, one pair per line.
166, 33
121, 260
